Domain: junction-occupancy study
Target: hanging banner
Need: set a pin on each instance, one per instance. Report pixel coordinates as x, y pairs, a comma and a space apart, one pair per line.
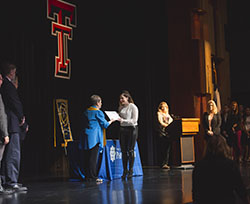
63, 17
61, 107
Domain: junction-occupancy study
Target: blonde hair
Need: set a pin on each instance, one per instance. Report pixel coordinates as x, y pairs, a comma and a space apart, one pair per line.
215, 110
163, 103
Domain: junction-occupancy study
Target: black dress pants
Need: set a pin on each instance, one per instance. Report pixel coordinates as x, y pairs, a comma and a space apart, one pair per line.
165, 147
90, 160
128, 137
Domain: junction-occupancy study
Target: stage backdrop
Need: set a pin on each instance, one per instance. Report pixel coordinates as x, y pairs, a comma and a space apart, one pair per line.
115, 45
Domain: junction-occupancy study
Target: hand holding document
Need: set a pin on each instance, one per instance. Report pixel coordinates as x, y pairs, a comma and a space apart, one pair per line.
113, 115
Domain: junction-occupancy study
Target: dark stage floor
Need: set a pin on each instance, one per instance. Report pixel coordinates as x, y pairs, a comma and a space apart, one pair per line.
155, 186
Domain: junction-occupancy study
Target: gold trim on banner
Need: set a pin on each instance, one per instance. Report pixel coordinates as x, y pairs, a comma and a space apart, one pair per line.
54, 114
62, 110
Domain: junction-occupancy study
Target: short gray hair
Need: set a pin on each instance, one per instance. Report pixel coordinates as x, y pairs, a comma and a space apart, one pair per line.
94, 99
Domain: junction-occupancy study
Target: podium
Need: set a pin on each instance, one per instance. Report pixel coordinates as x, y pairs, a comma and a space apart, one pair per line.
182, 132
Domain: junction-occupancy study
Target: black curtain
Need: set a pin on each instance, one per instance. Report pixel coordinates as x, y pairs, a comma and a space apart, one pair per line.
115, 46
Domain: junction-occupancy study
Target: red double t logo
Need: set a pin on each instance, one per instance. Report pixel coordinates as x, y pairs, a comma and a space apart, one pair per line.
63, 17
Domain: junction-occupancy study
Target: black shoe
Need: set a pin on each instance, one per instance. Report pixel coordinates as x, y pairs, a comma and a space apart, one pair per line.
130, 174
18, 187
92, 179
124, 174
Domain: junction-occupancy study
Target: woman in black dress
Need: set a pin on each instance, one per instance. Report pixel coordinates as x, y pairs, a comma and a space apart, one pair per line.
164, 119
211, 120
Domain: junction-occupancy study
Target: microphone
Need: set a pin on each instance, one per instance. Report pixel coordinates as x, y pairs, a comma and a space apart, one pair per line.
175, 116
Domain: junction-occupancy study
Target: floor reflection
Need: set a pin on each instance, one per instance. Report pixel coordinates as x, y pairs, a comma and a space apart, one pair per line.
14, 198
155, 186
119, 191
186, 186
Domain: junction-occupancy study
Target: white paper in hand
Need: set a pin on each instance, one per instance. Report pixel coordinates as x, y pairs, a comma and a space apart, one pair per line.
113, 115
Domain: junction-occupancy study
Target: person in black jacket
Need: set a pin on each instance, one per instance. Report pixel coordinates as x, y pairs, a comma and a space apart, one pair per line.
233, 129
211, 120
224, 119
14, 110
25, 127
216, 178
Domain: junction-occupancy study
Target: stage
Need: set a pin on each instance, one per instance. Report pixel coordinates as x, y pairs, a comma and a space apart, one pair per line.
155, 186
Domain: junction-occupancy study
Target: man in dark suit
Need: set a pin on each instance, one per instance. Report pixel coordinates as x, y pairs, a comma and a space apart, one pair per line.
14, 111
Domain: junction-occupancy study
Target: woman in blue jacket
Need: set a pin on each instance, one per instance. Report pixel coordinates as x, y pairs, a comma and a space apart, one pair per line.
92, 137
